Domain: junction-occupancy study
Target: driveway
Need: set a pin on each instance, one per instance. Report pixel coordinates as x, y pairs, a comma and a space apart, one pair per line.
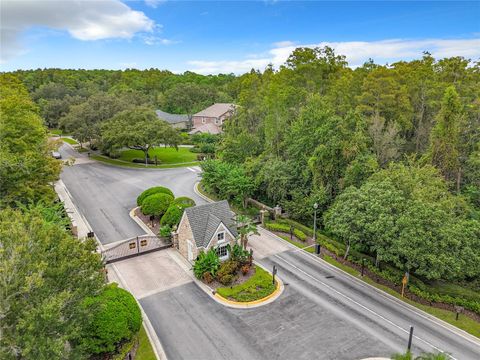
105, 194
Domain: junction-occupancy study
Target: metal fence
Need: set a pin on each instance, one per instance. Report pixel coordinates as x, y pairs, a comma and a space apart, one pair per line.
135, 246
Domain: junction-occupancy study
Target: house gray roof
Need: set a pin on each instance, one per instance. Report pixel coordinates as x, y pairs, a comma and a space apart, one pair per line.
171, 118
205, 219
216, 110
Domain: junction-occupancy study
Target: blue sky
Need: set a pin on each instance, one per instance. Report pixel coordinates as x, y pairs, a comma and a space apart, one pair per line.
229, 36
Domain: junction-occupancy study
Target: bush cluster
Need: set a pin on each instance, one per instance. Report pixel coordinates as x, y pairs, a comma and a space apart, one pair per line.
156, 204
152, 191
206, 263
226, 273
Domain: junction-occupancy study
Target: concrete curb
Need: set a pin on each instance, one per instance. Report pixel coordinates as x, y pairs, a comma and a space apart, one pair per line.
195, 189
154, 339
256, 303
140, 222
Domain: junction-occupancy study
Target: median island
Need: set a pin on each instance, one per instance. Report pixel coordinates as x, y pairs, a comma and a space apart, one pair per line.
256, 287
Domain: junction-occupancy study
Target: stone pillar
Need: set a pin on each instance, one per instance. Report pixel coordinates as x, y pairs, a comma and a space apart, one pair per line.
263, 216
175, 239
277, 211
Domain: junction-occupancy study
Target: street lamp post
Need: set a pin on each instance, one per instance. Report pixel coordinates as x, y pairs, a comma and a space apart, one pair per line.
317, 246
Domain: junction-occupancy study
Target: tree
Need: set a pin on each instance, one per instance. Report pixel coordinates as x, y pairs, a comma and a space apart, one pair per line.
151, 191
26, 166
138, 129
445, 137
116, 318
246, 227
45, 276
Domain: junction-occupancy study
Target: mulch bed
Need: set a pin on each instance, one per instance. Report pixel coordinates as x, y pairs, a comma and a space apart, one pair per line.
146, 220
379, 280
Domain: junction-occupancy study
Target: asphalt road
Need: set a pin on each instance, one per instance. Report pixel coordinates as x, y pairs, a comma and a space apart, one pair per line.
105, 194
323, 313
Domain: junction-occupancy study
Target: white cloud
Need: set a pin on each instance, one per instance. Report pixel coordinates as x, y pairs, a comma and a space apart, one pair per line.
83, 20
154, 3
356, 52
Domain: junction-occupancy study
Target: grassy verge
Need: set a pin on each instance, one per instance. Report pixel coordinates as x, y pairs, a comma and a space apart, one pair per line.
166, 155
309, 249
257, 287
139, 166
70, 141
345, 268
145, 350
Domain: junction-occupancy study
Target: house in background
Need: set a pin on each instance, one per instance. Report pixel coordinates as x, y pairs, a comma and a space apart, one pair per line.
204, 227
211, 119
181, 122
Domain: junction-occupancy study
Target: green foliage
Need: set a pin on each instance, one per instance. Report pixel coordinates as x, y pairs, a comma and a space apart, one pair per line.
137, 129
256, 287
151, 191
423, 356
206, 262
165, 230
228, 267
238, 254
185, 201
405, 215
278, 227
117, 318
174, 213
27, 168
156, 204
300, 235
46, 275
226, 180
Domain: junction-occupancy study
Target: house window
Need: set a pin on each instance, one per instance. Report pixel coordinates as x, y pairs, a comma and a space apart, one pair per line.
220, 236
222, 252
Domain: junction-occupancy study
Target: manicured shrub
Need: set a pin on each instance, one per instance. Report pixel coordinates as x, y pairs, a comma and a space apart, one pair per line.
174, 213
117, 318
206, 262
151, 191
278, 227
226, 279
156, 204
185, 201
245, 269
300, 235
228, 267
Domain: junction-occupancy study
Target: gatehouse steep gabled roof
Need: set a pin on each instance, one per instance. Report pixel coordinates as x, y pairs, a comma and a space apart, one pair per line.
205, 219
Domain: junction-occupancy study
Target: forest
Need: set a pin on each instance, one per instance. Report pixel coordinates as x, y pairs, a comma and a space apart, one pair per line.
390, 153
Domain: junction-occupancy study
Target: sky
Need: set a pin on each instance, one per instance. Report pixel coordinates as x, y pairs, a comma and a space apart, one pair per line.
210, 37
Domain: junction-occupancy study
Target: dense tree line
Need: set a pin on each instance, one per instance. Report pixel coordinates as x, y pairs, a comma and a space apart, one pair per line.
317, 131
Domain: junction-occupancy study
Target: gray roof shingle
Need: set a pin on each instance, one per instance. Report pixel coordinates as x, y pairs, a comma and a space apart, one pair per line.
205, 219
171, 118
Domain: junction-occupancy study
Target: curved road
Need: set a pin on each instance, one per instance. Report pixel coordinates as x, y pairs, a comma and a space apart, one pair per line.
323, 313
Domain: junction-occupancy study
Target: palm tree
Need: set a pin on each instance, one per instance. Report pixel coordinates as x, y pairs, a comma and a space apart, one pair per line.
246, 227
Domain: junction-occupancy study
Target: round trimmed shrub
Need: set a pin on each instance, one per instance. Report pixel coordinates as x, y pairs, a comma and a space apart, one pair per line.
183, 200
151, 191
156, 204
116, 318
173, 215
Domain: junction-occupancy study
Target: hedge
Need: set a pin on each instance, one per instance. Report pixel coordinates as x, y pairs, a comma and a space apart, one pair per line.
183, 200
278, 227
300, 235
156, 204
151, 191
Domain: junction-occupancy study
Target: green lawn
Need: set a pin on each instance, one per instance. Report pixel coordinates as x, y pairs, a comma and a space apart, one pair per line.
164, 155
257, 287
55, 131
70, 141
139, 166
145, 351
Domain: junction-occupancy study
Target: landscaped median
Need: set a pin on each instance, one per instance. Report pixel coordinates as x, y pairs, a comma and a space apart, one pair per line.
258, 290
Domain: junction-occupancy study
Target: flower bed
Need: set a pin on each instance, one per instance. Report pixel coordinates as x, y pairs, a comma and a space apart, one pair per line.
258, 286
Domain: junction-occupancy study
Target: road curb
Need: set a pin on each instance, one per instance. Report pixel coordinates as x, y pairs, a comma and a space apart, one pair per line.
204, 197
140, 222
